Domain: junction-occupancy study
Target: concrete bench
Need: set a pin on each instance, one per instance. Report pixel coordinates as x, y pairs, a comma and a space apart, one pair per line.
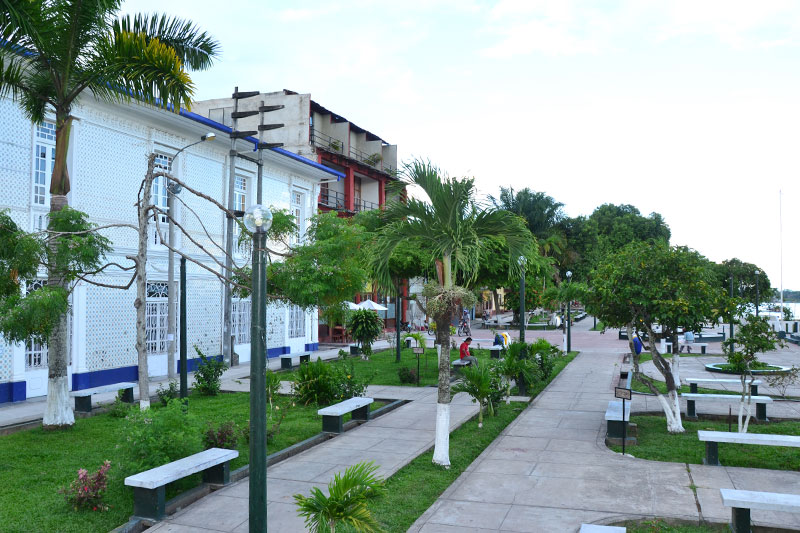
83, 398
148, 486
594, 528
615, 423
495, 351
694, 381
760, 401
459, 363
741, 501
702, 345
712, 438
286, 360
333, 416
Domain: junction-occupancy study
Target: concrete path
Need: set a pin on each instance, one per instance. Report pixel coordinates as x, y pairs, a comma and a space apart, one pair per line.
391, 441
550, 469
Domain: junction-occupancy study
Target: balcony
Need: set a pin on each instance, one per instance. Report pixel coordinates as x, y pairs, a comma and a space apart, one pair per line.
326, 142
333, 199
332, 144
364, 205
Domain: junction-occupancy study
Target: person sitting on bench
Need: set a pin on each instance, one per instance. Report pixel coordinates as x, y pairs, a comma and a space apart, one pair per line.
464, 352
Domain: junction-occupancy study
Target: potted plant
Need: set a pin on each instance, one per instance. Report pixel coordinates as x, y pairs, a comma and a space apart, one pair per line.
365, 325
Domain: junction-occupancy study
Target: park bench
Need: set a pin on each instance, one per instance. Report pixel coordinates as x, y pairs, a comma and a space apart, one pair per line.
694, 381
702, 345
712, 438
594, 528
760, 401
286, 360
741, 501
83, 398
148, 486
333, 416
614, 420
494, 352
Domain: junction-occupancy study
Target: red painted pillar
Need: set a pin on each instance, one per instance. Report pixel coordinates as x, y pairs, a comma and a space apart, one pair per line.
349, 189
381, 192
405, 301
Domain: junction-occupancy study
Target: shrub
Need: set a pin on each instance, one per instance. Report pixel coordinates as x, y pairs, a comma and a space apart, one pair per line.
86, 492
225, 436
783, 380
407, 375
273, 385
170, 393
154, 437
324, 384
478, 383
545, 355
208, 374
418, 337
365, 325
119, 409
343, 355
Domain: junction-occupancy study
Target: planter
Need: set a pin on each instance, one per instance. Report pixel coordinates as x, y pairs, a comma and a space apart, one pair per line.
716, 367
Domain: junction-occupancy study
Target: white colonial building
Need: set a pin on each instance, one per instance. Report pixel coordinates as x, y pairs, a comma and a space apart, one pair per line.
107, 162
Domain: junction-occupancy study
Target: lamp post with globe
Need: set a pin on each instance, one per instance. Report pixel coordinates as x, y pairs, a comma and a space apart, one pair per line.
569, 325
758, 296
258, 220
522, 261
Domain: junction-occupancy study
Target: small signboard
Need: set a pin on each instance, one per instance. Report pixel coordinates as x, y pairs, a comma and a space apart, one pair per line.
417, 350
622, 393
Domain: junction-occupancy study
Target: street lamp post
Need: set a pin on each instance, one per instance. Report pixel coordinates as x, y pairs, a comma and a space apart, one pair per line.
173, 189
731, 319
569, 325
522, 261
258, 220
758, 296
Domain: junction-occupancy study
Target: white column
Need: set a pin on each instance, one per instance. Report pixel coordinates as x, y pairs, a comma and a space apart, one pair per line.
17, 361
78, 347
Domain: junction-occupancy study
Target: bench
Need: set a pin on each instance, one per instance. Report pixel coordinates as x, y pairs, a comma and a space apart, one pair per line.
711, 438
494, 352
694, 381
741, 501
615, 423
594, 528
702, 345
760, 401
286, 360
148, 486
83, 398
333, 416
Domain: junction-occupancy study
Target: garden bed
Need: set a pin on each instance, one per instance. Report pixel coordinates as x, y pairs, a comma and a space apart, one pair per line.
758, 369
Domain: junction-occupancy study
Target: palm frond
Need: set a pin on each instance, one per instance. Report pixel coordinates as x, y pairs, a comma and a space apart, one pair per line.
196, 48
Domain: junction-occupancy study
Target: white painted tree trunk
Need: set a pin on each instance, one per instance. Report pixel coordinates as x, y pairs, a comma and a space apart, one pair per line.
671, 402
745, 405
672, 411
441, 449
58, 411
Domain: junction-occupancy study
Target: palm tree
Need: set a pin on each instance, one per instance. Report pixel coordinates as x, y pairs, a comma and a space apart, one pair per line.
51, 53
456, 230
477, 383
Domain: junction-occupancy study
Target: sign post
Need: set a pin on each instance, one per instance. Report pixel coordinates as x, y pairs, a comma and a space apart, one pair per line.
418, 351
623, 394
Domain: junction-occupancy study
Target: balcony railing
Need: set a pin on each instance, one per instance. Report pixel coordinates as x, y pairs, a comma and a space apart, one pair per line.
364, 205
332, 199
327, 142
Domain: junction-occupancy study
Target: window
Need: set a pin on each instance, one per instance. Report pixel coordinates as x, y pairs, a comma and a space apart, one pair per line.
299, 213
240, 193
221, 115
44, 159
159, 195
156, 308
240, 326
35, 351
297, 322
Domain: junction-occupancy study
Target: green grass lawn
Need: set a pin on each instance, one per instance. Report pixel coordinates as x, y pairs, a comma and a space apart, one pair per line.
34, 464
657, 445
658, 525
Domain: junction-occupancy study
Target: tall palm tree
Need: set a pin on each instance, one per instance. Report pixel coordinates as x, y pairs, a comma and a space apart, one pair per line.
456, 229
51, 53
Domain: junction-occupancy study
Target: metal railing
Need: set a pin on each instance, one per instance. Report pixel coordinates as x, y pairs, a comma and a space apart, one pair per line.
327, 142
332, 199
364, 205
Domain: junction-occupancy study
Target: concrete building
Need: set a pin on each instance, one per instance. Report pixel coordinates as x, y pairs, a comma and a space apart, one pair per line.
107, 161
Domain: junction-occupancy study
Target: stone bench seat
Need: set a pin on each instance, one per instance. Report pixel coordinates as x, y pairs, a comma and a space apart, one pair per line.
83, 397
495, 351
460, 363
615, 424
286, 359
594, 528
694, 381
333, 416
760, 401
148, 486
702, 345
712, 438
741, 501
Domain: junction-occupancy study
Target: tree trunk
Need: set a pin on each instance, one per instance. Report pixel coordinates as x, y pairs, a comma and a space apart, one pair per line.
441, 450
496, 300
745, 404
669, 403
141, 287
398, 310
676, 360
58, 411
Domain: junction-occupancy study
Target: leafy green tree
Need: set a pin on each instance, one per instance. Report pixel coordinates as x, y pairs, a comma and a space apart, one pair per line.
745, 280
365, 325
540, 211
51, 52
645, 284
479, 384
456, 230
346, 502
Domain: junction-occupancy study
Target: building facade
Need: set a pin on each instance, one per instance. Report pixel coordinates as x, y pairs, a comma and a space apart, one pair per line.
107, 162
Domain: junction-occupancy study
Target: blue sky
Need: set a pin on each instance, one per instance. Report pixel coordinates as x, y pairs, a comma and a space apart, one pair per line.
687, 108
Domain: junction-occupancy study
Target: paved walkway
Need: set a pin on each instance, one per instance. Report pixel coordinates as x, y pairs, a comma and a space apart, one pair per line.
550, 469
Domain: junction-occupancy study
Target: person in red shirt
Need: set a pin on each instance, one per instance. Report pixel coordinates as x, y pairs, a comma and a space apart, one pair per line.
464, 352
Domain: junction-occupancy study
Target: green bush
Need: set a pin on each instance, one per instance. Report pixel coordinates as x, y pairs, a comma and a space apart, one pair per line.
154, 437
407, 375
170, 393
119, 409
207, 377
225, 436
365, 325
325, 384
545, 355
